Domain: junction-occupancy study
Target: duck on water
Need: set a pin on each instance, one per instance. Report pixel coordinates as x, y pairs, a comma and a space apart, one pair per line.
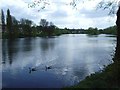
35, 69
48, 67
32, 69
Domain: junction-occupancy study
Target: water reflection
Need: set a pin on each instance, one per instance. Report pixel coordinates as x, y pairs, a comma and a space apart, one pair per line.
47, 43
92, 35
53, 62
12, 48
27, 42
8, 50
4, 50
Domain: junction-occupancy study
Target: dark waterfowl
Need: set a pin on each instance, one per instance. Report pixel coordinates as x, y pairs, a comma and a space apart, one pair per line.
32, 69
48, 67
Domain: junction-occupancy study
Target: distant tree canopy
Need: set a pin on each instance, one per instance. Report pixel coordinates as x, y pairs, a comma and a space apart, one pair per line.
47, 27
44, 23
92, 31
26, 28
25, 22
9, 22
110, 30
3, 20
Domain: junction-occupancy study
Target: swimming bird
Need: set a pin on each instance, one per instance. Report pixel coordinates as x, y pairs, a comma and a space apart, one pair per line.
32, 69
48, 67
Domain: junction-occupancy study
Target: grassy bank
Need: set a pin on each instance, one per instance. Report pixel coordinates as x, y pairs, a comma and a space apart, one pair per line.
108, 78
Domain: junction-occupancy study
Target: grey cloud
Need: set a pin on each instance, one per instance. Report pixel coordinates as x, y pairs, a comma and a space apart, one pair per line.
59, 14
59, 17
19, 12
94, 13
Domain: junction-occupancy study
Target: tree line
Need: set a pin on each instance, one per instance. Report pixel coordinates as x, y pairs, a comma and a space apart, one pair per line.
26, 28
96, 31
13, 28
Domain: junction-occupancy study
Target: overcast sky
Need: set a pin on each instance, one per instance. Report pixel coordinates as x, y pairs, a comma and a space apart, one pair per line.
61, 14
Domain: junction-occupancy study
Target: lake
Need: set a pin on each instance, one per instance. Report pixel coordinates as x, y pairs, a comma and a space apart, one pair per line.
54, 62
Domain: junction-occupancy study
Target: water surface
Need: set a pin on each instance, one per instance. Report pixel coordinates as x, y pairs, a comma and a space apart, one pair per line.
72, 58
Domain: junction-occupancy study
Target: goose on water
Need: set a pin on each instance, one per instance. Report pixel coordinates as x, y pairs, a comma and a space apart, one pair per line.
48, 67
32, 69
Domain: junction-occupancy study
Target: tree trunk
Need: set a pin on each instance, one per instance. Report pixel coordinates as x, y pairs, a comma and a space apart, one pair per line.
117, 52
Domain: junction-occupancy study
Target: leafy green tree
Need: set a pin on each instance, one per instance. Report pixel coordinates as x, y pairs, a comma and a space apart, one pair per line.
51, 29
92, 31
9, 22
25, 25
3, 21
15, 26
44, 27
48, 28
109, 30
44, 23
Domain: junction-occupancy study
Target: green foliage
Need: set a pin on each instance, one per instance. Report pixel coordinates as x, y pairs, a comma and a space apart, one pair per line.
25, 28
9, 22
44, 23
3, 20
15, 27
92, 31
25, 25
95, 31
109, 30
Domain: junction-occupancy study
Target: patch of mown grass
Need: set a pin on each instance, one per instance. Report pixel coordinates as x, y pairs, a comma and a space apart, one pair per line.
108, 78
